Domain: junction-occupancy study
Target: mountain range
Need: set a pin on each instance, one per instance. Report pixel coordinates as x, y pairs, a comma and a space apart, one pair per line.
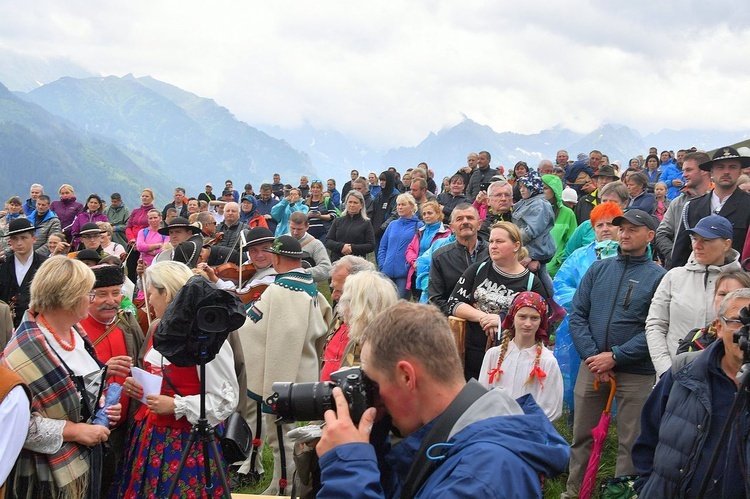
106, 134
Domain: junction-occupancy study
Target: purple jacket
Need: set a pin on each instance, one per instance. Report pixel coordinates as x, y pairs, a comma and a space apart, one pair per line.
84, 218
67, 211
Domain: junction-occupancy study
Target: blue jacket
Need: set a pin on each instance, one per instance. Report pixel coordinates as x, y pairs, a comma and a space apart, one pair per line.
535, 217
281, 213
610, 308
644, 201
566, 282
681, 426
669, 173
500, 450
392, 250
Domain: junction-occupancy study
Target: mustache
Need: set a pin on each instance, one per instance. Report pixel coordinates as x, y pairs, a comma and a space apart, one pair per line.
107, 307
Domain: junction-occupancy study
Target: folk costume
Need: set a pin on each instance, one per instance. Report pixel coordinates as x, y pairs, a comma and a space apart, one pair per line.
158, 441
267, 337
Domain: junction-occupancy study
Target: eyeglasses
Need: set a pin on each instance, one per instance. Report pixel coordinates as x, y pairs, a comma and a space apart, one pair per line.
732, 324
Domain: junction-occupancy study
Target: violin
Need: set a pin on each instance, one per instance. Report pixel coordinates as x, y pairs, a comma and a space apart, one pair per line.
218, 237
231, 272
252, 294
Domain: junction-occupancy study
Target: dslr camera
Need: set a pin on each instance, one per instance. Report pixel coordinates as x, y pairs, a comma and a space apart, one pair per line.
309, 401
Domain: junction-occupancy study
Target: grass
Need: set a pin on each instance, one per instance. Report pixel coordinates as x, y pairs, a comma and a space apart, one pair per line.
553, 488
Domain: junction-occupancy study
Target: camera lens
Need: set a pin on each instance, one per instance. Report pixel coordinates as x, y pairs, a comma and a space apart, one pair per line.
303, 401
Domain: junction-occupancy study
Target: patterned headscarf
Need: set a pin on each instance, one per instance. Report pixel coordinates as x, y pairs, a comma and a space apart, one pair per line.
531, 300
533, 182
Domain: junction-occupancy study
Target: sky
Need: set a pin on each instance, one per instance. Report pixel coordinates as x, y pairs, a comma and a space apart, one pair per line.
389, 72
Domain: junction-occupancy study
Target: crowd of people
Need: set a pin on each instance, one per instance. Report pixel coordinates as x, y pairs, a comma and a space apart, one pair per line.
482, 307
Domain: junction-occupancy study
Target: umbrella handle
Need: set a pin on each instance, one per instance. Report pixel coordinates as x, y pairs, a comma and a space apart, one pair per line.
612, 389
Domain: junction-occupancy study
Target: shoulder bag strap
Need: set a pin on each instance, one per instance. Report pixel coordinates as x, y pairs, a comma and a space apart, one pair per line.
106, 333
530, 282
422, 466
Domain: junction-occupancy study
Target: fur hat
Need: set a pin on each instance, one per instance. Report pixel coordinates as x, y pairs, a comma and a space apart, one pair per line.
108, 275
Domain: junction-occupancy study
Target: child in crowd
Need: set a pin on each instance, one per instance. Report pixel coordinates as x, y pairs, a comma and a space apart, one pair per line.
522, 364
662, 201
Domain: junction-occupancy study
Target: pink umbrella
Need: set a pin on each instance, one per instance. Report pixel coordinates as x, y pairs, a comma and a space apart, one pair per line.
599, 432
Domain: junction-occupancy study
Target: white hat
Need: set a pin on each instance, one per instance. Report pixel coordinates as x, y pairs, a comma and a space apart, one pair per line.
569, 195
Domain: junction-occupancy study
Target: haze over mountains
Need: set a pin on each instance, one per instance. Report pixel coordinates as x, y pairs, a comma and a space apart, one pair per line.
106, 134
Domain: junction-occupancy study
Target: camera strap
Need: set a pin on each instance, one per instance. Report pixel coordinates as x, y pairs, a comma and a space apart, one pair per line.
422, 466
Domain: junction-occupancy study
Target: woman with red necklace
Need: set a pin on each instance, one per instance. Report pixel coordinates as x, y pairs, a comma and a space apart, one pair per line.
50, 351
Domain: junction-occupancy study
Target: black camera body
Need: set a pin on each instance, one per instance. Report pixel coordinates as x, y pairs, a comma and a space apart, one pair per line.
212, 318
309, 401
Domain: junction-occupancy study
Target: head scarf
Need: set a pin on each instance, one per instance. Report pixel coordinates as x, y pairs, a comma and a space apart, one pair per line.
531, 300
533, 182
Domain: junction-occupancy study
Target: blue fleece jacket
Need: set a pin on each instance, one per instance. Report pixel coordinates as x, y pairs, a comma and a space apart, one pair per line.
488, 454
610, 308
392, 250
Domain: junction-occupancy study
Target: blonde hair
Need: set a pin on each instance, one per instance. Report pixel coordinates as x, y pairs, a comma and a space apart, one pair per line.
60, 283
409, 199
435, 206
149, 190
168, 277
68, 187
515, 235
365, 294
106, 227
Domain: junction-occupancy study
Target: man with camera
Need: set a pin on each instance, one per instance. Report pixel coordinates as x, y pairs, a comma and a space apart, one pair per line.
481, 444
683, 418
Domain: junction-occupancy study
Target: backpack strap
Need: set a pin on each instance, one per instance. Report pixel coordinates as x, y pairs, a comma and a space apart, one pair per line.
422, 466
530, 282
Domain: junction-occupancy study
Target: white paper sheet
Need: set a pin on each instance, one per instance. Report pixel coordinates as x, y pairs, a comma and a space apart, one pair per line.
151, 383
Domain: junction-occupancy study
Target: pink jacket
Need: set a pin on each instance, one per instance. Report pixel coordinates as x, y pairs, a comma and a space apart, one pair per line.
412, 251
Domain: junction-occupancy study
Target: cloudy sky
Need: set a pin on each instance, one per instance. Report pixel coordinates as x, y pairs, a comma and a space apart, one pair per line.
389, 72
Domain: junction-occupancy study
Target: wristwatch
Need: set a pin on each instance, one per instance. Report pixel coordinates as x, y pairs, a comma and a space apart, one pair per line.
614, 357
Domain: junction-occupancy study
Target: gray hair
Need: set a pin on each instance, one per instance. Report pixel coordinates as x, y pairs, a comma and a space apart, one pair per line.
619, 189
353, 264
38, 186
464, 207
743, 293
497, 185
356, 194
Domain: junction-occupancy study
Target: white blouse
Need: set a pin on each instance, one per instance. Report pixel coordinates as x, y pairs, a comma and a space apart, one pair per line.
222, 388
517, 365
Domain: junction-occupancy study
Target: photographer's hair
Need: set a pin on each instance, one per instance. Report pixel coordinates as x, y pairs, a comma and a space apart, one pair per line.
60, 283
619, 188
365, 295
358, 195
168, 277
354, 264
515, 236
409, 199
435, 207
414, 331
743, 293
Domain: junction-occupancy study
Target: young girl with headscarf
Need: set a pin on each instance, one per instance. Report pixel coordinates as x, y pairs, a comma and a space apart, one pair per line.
521, 363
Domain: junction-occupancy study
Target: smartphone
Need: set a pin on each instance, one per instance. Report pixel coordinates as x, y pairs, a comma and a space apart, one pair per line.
484, 186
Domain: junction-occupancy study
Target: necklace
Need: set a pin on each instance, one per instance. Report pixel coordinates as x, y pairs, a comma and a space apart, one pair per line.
64, 344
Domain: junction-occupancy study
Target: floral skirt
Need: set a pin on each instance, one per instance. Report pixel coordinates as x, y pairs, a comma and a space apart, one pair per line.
151, 460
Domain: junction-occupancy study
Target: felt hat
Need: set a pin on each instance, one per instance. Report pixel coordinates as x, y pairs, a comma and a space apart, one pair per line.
637, 217
713, 227
90, 228
108, 275
19, 226
723, 153
286, 246
179, 223
605, 171
258, 235
88, 255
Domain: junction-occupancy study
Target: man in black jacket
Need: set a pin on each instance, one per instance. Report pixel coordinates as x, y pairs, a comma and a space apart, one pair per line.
724, 199
482, 174
450, 261
17, 296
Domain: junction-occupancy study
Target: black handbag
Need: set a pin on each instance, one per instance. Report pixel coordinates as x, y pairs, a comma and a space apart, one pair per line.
237, 440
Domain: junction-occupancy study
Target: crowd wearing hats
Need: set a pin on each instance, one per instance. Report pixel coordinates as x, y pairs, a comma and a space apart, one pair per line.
689, 201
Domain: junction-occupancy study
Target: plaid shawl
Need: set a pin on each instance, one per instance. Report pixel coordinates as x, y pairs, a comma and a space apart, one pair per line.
66, 472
